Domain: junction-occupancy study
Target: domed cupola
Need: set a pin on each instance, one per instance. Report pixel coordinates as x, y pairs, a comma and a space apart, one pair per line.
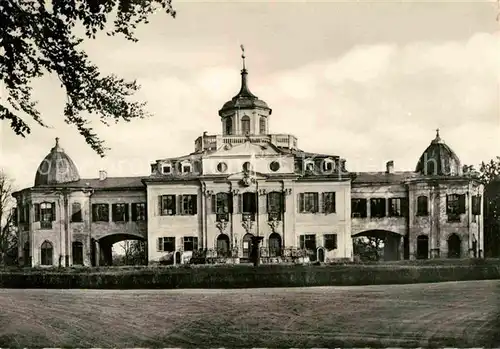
56, 168
439, 160
245, 113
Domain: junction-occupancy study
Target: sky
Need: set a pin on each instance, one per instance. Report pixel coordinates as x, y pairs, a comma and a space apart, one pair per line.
367, 81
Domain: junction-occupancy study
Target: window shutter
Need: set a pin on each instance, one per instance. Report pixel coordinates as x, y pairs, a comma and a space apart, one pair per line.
461, 203
160, 206
283, 202
213, 204
37, 213
334, 241
334, 203
301, 241
316, 202
53, 208
158, 244
230, 202
195, 243
94, 212
194, 199
175, 199
447, 204
240, 203
134, 212
178, 204
257, 202
322, 202
126, 212
404, 207
300, 201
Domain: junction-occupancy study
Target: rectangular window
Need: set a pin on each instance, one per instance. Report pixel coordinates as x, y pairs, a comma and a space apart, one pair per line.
358, 208
190, 243
222, 204
76, 212
138, 211
100, 212
166, 244
330, 242
476, 205
329, 202
308, 202
47, 215
167, 205
120, 212
395, 207
167, 169
274, 205
455, 206
422, 206
189, 205
377, 207
37, 212
249, 205
308, 242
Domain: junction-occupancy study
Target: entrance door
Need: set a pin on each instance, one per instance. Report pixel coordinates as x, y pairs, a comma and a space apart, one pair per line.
422, 247
77, 252
321, 255
454, 246
247, 245
177, 257
26, 254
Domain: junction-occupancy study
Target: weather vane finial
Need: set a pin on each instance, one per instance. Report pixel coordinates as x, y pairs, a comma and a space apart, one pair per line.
437, 133
243, 55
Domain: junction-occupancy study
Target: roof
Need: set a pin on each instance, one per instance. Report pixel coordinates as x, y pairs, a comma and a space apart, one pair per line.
96, 183
382, 177
56, 168
439, 159
244, 98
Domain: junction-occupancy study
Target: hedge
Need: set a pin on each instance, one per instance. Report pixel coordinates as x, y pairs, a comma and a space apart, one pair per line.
244, 276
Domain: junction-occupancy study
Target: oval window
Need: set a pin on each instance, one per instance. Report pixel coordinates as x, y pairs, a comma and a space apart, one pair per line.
222, 167
247, 166
274, 166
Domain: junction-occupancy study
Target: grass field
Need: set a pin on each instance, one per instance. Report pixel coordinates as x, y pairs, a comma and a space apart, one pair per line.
453, 314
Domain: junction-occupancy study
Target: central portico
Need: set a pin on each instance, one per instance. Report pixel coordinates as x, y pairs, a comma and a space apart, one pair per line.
248, 182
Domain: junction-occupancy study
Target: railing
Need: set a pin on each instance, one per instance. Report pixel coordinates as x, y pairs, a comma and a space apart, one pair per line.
46, 225
213, 142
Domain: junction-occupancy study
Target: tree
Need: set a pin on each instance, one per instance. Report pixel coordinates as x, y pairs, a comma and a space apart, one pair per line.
134, 253
37, 39
368, 248
8, 233
488, 174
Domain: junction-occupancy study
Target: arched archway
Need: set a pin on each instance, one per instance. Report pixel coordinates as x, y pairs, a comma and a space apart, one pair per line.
454, 246
247, 245
223, 245
47, 252
378, 244
104, 255
77, 252
422, 247
274, 245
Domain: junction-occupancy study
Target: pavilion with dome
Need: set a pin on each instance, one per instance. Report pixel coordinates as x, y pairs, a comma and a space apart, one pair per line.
248, 182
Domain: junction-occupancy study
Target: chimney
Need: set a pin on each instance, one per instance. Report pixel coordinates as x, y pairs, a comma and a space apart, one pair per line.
389, 167
102, 175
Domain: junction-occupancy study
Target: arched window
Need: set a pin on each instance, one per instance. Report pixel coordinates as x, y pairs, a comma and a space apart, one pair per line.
245, 125
247, 245
454, 246
229, 126
46, 251
262, 125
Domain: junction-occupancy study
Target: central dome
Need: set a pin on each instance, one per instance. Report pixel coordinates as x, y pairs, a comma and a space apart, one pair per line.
439, 160
56, 168
244, 99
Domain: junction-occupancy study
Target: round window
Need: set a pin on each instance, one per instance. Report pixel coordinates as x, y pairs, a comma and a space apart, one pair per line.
247, 166
222, 167
274, 166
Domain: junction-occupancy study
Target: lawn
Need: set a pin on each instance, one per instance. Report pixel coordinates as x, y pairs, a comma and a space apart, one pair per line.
453, 314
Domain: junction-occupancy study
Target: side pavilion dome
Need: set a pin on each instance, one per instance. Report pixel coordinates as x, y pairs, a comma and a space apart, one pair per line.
56, 168
439, 160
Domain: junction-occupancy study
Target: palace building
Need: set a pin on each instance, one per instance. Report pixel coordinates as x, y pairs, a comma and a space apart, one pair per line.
245, 182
